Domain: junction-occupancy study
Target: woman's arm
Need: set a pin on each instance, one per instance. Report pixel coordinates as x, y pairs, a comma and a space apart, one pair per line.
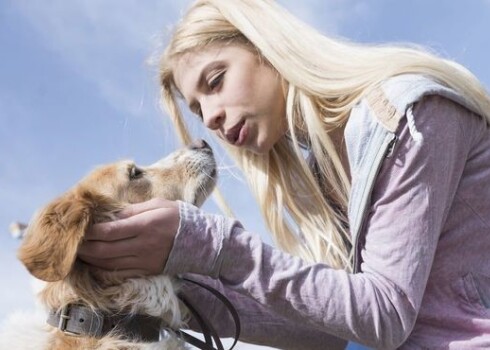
379, 306
259, 325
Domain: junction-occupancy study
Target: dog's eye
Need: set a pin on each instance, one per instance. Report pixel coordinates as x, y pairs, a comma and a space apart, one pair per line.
135, 172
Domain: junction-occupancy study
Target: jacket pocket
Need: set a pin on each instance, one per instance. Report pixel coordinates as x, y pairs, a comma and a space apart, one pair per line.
477, 289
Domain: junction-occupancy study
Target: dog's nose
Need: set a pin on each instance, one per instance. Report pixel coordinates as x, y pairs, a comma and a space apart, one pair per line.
199, 144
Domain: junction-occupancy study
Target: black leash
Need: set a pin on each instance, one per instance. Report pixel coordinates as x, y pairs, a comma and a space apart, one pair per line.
208, 331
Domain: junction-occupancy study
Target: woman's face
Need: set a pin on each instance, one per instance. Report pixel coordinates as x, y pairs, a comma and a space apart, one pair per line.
238, 97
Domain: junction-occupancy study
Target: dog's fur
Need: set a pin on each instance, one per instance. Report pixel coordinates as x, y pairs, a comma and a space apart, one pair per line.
49, 249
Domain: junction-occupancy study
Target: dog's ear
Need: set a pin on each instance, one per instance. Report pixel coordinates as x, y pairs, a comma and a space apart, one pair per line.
50, 246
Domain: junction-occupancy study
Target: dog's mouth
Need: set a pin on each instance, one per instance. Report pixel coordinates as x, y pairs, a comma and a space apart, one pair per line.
203, 165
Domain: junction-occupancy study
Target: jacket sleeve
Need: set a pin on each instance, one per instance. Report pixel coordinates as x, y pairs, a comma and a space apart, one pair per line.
259, 324
377, 307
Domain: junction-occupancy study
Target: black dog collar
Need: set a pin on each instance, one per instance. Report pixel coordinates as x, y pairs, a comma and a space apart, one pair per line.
80, 320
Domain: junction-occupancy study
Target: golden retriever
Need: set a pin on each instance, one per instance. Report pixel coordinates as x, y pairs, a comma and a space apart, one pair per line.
123, 314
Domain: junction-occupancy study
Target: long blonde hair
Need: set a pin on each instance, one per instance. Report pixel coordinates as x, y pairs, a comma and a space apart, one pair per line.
304, 208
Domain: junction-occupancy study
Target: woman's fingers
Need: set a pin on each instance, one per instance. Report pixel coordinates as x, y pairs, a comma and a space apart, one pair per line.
127, 263
111, 231
94, 252
141, 242
152, 204
121, 274
130, 226
121, 263
114, 258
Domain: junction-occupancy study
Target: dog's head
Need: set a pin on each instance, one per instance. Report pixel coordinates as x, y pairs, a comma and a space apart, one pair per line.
50, 246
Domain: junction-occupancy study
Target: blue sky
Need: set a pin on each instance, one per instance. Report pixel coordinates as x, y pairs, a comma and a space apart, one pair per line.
77, 89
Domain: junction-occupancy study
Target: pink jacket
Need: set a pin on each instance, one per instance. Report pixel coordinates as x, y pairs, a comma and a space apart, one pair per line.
422, 241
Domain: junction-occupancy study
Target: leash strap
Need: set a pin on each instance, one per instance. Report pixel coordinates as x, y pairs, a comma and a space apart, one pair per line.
208, 330
203, 325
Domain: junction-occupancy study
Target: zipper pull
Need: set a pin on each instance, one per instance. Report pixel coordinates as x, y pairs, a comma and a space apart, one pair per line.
391, 147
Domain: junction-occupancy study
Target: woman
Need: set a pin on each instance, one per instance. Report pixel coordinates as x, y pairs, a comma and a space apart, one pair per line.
383, 231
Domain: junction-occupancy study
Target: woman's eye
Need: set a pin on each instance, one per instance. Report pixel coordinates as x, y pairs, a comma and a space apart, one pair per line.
135, 173
216, 80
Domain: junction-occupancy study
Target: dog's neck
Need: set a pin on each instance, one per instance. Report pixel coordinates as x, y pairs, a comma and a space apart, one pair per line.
110, 302
129, 297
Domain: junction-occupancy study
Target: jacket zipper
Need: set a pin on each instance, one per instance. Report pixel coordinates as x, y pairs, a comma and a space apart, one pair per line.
388, 153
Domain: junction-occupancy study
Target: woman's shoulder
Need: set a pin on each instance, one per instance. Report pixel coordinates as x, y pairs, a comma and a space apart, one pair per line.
380, 111
402, 91
388, 102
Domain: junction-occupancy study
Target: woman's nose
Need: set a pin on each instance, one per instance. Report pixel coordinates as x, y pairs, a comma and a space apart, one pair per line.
213, 116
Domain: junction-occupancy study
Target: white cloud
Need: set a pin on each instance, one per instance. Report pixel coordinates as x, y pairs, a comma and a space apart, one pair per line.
327, 16
100, 39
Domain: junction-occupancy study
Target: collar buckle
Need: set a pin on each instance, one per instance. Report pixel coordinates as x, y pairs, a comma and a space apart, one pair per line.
63, 322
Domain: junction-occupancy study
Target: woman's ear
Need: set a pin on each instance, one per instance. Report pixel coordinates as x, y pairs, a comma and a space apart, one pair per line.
50, 246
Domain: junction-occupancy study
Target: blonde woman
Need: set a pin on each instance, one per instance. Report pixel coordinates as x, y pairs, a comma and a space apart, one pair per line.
383, 231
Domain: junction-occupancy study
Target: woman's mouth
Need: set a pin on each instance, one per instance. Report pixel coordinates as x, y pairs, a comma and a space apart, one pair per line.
237, 134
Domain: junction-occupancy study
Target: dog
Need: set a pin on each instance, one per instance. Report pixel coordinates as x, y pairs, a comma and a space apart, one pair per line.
95, 310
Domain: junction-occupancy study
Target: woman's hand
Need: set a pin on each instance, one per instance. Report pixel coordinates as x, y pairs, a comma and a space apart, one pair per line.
136, 244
